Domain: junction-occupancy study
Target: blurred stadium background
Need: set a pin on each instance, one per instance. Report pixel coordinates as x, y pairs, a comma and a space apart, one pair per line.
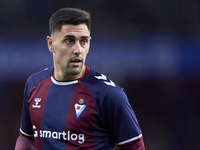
151, 48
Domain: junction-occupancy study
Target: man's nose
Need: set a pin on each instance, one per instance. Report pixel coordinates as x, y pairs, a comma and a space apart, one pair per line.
77, 48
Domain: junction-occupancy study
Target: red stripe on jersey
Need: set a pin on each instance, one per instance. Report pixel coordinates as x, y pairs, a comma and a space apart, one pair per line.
82, 125
36, 101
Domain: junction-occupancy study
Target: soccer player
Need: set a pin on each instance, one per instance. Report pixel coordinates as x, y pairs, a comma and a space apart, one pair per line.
70, 105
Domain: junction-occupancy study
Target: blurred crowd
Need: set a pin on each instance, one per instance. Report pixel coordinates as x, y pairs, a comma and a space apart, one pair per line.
130, 17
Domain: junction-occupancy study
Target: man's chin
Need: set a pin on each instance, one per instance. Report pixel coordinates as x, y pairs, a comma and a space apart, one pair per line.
75, 70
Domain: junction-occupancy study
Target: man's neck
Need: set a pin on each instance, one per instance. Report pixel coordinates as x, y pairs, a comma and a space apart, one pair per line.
60, 76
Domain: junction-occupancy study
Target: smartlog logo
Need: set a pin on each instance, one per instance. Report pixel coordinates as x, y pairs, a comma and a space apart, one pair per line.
59, 135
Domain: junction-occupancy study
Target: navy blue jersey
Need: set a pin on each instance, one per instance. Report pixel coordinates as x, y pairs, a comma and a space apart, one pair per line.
89, 113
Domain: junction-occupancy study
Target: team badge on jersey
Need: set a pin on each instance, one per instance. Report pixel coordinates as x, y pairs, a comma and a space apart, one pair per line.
79, 107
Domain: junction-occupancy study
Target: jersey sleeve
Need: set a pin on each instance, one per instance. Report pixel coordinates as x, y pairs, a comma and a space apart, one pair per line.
25, 124
121, 120
133, 145
24, 143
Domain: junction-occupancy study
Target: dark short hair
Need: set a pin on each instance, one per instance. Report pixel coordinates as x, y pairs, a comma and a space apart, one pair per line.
72, 16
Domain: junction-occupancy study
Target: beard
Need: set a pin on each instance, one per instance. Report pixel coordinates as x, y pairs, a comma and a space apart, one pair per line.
70, 70
74, 70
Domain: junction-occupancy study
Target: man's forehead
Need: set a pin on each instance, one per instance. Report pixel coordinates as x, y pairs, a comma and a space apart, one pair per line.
81, 30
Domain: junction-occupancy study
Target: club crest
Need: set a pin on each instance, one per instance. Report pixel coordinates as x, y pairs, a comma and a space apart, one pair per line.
79, 107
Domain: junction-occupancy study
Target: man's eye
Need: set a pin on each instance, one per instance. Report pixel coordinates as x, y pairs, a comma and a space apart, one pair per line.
83, 42
69, 41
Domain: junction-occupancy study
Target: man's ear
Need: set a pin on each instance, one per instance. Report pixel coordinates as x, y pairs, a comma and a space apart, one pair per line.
50, 44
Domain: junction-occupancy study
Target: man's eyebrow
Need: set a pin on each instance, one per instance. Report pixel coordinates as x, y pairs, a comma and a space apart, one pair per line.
72, 36
69, 36
85, 37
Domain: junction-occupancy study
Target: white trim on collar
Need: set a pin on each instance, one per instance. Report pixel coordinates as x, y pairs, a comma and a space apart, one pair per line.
63, 83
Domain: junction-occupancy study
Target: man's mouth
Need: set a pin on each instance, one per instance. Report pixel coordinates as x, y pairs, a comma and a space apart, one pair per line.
76, 61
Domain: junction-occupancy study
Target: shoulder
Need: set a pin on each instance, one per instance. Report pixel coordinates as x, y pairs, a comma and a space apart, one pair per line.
100, 83
95, 78
39, 76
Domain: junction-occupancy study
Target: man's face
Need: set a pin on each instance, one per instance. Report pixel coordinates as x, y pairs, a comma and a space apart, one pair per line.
70, 47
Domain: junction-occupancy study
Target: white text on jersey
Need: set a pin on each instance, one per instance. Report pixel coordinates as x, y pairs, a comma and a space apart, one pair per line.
59, 135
